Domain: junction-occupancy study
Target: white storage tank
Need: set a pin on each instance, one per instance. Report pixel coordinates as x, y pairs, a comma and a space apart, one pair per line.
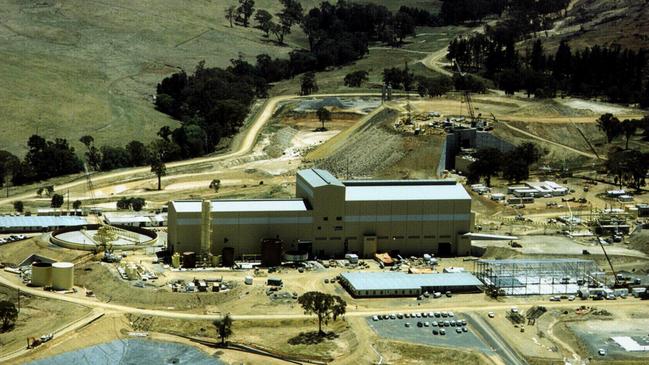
248, 280
41, 274
62, 275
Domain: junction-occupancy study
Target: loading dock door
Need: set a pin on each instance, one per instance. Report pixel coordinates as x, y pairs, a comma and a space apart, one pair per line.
444, 249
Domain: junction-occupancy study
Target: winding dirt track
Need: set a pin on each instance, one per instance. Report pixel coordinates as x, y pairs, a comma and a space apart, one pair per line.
243, 147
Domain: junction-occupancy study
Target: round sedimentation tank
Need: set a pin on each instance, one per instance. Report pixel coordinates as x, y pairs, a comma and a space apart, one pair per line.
82, 237
227, 258
189, 260
271, 252
41, 274
62, 275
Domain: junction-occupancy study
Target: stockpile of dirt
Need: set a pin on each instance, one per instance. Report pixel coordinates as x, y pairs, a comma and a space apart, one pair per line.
639, 240
368, 151
280, 141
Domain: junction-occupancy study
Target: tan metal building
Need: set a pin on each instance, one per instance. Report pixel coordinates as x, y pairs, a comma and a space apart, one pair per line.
333, 217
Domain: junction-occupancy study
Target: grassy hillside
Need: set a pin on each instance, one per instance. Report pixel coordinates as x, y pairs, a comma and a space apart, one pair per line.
75, 67
591, 22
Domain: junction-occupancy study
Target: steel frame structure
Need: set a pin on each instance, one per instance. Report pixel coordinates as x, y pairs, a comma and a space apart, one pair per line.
529, 277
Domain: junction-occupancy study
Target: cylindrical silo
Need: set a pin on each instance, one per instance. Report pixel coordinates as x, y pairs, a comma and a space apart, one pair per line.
62, 275
271, 252
227, 259
41, 274
189, 260
175, 260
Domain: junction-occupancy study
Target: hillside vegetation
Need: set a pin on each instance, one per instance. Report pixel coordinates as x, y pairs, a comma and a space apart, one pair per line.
604, 22
72, 68
85, 67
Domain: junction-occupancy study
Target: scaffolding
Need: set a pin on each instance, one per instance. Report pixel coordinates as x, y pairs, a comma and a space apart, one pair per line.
533, 277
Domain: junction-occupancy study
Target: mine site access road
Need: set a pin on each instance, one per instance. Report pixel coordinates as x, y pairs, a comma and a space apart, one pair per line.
244, 147
120, 308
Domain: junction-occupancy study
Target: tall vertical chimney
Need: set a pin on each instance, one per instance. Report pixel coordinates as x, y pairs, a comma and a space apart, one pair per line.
206, 227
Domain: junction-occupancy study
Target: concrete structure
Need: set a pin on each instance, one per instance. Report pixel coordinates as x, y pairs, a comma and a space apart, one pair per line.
336, 217
62, 275
392, 284
82, 237
469, 138
32, 223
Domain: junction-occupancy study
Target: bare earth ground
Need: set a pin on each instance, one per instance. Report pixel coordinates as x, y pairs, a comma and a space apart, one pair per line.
37, 316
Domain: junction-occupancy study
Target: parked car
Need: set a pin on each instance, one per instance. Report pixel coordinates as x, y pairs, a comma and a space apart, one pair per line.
435, 332
407, 324
442, 332
491, 314
458, 330
426, 324
601, 352
375, 318
419, 324
464, 329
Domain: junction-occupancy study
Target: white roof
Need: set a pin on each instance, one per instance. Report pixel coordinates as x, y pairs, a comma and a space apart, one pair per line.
404, 190
401, 280
41, 221
260, 205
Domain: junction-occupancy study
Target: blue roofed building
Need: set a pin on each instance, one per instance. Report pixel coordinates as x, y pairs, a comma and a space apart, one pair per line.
32, 223
392, 284
330, 217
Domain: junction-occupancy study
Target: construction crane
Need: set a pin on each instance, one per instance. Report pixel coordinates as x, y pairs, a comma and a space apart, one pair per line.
467, 94
89, 187
618, 283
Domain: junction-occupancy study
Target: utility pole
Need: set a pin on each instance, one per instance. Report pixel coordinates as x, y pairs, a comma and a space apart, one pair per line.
68, 201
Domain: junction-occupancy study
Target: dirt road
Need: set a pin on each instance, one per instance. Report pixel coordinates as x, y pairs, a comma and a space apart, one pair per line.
296, 314
68, 328
538, 138
494, 340
241, 147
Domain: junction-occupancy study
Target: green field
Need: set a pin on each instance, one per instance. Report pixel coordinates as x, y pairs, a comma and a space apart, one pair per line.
75, 67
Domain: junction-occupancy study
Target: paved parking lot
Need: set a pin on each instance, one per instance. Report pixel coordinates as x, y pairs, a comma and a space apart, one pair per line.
396, 329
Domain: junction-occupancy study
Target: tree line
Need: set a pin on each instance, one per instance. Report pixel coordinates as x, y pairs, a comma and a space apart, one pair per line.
620, 75
626, 166
45, 159
513, 165
611, 72
528, 14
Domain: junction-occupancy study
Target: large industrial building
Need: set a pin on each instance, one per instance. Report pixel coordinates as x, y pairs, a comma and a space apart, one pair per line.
330, 217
